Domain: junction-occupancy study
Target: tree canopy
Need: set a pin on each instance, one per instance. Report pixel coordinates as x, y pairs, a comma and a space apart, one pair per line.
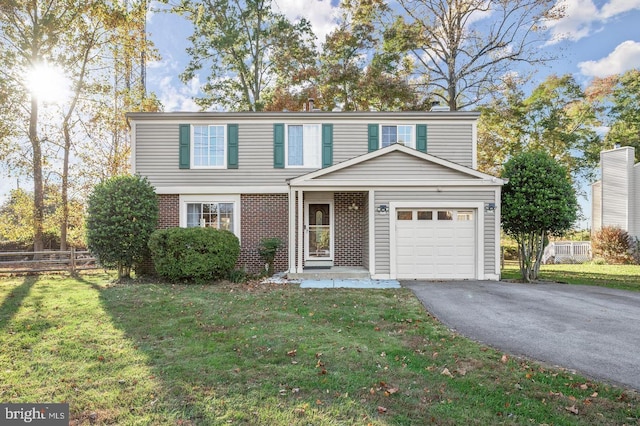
538, 200
122, 215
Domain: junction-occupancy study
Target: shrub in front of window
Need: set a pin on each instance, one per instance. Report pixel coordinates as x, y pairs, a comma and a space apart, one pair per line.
194, 254
613, 244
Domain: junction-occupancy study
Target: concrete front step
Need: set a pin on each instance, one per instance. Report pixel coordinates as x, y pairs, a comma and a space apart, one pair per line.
336, 272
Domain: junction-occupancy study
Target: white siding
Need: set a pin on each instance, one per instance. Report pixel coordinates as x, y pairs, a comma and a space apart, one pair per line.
636, 210
452, 143
596, 206
617, 187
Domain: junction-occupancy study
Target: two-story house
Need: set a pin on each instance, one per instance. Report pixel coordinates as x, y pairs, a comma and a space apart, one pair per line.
395, 194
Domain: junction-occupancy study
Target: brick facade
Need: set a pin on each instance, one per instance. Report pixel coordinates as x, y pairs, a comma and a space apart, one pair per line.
169, 216
349, 226
263, 216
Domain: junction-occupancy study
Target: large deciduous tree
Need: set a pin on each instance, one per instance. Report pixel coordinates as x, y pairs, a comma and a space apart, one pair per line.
30, 32
244, 47
355, 72
617, 98
462, 46
538, 200
556, 118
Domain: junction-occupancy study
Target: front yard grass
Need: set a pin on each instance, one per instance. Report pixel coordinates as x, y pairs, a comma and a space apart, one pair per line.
625, 277
141, 354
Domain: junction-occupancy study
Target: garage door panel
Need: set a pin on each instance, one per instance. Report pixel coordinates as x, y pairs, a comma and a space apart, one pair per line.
436, 249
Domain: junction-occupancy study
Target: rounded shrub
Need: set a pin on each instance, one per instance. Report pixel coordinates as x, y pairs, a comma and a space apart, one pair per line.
194, 254
613, 244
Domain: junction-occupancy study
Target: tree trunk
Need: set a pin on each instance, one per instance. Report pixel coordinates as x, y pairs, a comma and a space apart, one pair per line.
64, 221
38, 185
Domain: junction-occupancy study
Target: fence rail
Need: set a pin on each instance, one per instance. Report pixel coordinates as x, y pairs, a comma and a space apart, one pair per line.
567, 252
46, 261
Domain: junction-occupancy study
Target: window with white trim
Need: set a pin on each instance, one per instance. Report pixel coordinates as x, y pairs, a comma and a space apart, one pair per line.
209, 146
402, 134
303, 145
210, 215
215, 211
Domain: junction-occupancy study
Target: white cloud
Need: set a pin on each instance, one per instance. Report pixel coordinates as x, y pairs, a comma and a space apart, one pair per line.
582, 17
321, 14
624, 57
174, 95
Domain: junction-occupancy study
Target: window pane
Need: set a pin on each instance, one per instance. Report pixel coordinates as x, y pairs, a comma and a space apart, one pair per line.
425, 215
294, 146
226, 216
405, 136
464, 216
208, 145
405, 215
216, 145
389, 136
312, 145
210, 214
193, 215
445, 215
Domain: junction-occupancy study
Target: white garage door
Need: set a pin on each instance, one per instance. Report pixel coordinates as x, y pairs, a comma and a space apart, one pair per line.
436, 243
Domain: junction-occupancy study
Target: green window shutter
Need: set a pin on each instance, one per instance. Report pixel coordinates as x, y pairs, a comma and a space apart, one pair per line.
278, 146
327, 145
185, 146
232, 146
421, 137
374, 137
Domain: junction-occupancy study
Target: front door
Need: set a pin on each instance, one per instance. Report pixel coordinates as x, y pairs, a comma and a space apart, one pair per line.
319, 231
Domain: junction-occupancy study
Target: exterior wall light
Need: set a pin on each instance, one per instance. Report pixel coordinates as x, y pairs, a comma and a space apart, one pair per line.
353, 206
490, 207
383, 209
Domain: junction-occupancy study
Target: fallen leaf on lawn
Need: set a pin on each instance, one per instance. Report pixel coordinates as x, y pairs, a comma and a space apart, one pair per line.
446, 372
283, 391
319, 364
381, 409
528, 375
323, 371
461, 371
376, 328
292, 353
372, 391
318, 402
390, 391
594, 395
504, 359
299, 412
572, 398
318, 354
572, 409
584, 386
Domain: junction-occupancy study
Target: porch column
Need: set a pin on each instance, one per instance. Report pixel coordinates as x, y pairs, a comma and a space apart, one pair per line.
300, 249
292, 230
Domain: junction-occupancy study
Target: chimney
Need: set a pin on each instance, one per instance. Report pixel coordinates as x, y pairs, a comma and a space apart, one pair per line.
310, 105
435, 106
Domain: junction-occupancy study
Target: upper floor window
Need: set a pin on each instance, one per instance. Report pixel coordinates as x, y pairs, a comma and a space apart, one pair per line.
209, 146
402, 134
303, 145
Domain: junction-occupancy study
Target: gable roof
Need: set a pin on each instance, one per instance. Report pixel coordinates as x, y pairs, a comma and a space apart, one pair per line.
453, 173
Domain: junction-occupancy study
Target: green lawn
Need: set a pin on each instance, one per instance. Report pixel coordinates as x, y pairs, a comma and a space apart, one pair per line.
626, 277
140, 354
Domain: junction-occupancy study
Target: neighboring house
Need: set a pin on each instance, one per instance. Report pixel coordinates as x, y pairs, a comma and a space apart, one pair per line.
396, 195
614, 197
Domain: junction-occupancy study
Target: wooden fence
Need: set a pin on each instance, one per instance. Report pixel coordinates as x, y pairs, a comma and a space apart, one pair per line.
46, 261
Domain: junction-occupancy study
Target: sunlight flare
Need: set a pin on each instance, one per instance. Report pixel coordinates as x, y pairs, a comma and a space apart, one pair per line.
48, 83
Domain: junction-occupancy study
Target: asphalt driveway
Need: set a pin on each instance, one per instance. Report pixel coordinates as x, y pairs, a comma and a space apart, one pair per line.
593, 330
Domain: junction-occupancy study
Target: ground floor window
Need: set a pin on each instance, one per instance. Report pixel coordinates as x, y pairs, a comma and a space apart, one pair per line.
214, 215
211, 211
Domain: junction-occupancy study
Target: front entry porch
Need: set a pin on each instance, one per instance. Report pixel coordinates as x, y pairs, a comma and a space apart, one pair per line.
328, 234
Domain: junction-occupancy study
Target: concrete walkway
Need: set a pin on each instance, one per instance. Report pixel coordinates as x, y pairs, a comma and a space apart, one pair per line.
593, 330
336, 283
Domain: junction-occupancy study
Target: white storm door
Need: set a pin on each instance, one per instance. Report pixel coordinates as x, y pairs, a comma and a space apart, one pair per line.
318, 235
